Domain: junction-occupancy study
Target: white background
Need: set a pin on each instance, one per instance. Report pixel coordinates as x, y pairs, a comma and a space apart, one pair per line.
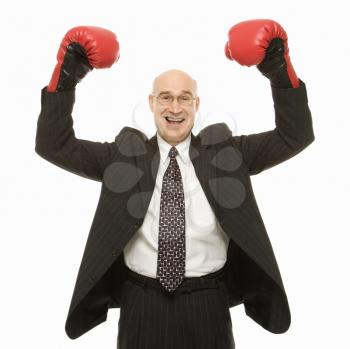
46, 212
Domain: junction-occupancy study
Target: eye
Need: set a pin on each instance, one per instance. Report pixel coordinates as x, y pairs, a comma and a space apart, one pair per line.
185, 98
165, 97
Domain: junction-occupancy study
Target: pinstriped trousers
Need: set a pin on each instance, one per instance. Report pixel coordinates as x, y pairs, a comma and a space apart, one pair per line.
195, 316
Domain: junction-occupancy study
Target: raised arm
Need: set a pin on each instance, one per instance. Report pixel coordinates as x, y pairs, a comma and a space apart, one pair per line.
81, 50
264, 43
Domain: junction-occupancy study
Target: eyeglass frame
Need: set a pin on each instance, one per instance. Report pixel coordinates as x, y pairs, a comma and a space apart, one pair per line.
173, 98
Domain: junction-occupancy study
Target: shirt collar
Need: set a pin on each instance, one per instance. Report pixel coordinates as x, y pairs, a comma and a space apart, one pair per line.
182, 148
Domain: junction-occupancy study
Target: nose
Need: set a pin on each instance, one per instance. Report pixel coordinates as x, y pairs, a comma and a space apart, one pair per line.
175, 107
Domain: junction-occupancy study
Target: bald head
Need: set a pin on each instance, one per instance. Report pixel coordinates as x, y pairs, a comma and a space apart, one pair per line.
175, 83
175, 79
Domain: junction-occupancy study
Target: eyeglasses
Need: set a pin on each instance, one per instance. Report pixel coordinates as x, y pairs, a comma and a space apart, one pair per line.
167, 99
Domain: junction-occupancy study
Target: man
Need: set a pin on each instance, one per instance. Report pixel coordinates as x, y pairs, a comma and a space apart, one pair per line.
177, 238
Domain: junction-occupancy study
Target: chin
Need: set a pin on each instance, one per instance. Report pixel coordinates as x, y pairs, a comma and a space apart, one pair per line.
179, 138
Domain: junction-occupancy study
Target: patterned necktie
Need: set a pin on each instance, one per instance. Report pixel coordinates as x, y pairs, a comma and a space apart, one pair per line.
171, 239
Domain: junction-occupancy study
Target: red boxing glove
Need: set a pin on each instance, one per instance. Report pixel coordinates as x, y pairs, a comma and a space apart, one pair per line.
264, 43
82, 49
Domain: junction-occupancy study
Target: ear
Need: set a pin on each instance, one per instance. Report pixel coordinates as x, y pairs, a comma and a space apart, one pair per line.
197, 102
150, 101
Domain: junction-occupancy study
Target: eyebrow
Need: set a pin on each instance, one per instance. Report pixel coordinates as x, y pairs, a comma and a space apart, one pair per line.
182, 91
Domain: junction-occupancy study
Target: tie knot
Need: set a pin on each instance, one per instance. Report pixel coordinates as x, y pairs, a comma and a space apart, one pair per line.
173, 152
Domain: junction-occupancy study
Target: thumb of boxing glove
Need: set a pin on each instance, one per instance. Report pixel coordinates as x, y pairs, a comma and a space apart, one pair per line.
264, 43
82, 49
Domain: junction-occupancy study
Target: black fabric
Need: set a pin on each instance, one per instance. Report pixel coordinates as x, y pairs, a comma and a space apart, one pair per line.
127, 169
195, 316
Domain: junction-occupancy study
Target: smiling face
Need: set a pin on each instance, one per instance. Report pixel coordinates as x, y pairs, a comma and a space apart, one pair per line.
174, 83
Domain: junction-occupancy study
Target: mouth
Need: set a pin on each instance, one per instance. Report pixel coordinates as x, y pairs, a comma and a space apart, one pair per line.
174, 121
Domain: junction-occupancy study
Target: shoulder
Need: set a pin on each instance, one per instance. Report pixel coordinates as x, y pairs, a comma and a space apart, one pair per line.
131, 132
214, 134
131, 141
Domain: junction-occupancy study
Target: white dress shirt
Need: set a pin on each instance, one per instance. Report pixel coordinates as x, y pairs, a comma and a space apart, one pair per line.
206, 242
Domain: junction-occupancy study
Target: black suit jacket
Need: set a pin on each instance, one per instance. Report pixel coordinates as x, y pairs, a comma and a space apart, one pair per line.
127, 169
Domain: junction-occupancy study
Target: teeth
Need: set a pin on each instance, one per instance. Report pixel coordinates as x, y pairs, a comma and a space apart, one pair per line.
173, 119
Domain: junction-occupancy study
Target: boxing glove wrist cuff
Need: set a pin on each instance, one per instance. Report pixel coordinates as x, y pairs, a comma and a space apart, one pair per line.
276, 65
74, 67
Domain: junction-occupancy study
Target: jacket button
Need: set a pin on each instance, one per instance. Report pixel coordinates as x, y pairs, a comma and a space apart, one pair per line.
114, 254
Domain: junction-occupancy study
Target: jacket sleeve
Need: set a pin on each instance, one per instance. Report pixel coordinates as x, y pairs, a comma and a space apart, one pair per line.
292, 134
56, 142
